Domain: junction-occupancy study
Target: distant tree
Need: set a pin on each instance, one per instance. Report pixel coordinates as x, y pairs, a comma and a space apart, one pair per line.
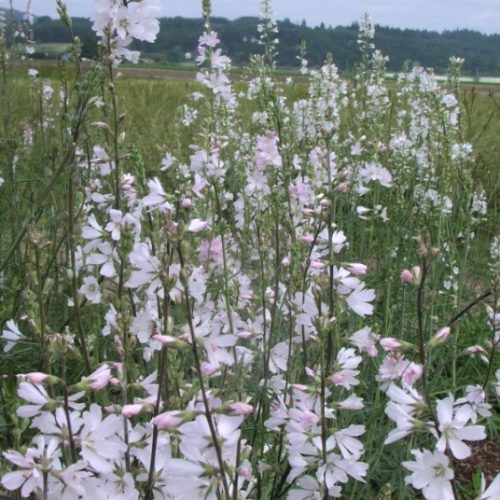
179, 35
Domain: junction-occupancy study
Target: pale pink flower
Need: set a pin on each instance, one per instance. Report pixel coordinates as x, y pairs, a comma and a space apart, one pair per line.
267, 152
209, 39
209, 368
374, 172
115, 223
412, 373
211, 250
310, 489
342, 187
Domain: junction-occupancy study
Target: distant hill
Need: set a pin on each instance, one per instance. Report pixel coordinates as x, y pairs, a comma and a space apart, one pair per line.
179, 36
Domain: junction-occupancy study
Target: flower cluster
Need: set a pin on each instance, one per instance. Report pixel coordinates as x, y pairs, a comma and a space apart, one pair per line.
117, 23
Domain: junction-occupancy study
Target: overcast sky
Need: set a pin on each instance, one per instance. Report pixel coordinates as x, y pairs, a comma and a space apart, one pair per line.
481, 15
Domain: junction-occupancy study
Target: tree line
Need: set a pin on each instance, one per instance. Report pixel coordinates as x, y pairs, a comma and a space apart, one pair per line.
178, 37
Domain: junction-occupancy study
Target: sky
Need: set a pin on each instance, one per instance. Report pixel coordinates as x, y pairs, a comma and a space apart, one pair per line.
480, 15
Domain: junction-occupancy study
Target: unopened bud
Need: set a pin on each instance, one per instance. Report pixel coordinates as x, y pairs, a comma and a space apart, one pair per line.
407, 276
440, 336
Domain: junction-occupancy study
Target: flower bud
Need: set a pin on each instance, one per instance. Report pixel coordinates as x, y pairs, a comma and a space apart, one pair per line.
38, 378
407, 276
391, 344
169, 341
357, 268
238, 409
132, 410
440, 336
342, 187
168, 420
197, 225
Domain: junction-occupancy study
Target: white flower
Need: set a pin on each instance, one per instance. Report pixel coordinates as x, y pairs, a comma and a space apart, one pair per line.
453, 429
147, 268
339, 241
278, 360
100, 445
36, 395
90, 290
365, 341
401, 409
431, 474
336, 470
105, 258
11, 335
493, 490
30, 477
167, 162
349, 446
473, 404
309, 490
359, 300
157, 198
374, 172
346, 373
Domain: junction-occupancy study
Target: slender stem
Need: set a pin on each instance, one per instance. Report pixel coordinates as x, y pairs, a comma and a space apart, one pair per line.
421, 340
476, 301
162, 379
494, 344
71, 438
45, 485
74, 278
197, 362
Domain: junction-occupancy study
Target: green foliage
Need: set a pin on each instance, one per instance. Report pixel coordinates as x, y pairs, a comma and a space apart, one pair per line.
179, 35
